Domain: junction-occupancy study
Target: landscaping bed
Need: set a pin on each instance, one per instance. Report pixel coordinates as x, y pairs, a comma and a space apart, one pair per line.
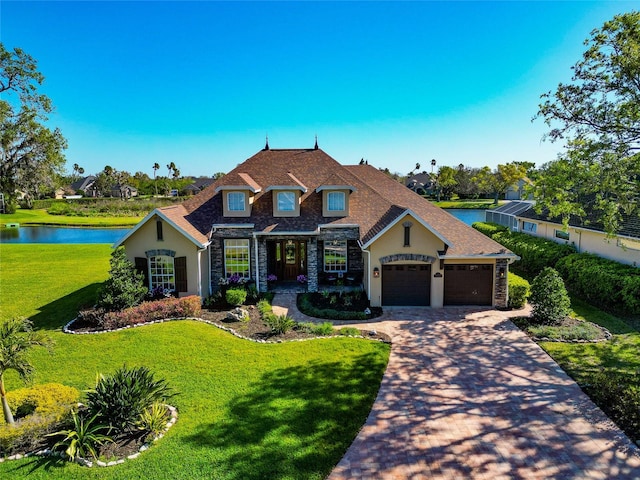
570, 330
337, 305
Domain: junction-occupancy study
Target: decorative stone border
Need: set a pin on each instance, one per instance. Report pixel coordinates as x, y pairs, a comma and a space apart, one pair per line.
88, 463
66, 329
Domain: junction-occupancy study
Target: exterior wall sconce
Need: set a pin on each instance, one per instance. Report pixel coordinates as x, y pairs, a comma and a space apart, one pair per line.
501, 272
376, 272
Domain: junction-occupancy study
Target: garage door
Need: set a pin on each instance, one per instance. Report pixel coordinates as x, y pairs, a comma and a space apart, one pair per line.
406, 285
468, 284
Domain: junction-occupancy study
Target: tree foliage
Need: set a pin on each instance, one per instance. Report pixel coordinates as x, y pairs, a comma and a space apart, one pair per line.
16, 340
31, 155
499, 180
549, 298
597, 114
125, 286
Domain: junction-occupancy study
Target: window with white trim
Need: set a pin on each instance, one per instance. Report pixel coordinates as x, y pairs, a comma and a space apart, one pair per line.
162, 273
335, 201
529, 227
335, 256
236, 257
286, 201
235, 201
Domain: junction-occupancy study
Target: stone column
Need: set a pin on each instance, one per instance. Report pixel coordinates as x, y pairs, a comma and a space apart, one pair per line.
312, 264
501, 296
261, 261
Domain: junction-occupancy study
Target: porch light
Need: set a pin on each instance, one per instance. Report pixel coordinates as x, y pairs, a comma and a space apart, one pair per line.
501, 272
376, 272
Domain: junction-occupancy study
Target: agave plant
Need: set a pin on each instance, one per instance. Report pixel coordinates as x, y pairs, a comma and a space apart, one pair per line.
83, 438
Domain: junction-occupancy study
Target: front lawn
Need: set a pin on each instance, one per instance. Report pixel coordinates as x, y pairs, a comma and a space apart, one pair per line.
246, 410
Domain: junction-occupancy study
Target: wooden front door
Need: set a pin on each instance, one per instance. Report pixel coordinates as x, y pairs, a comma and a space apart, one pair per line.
292, 258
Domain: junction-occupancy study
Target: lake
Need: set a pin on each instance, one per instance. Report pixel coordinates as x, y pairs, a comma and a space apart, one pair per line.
61, 235
112, 235
468, 215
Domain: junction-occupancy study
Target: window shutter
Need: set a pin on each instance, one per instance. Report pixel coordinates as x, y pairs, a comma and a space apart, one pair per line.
180, 264
142, 266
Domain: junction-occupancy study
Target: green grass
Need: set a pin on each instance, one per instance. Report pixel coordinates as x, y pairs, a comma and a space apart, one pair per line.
478, 203
41, 217
247, 410
620, 354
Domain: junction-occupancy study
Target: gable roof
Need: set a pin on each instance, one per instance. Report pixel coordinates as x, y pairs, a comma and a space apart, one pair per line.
376, 202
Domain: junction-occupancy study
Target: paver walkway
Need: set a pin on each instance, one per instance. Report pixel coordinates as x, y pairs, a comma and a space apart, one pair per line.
466, 395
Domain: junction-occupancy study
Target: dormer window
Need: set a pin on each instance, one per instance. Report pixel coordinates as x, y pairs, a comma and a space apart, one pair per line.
236, 201
336, 201
286, 201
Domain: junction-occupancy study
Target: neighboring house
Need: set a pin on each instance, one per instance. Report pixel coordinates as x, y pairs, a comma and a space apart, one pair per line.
199, 184
123, 191
85, 185
507, 214
517, 191
587, 237
421, 183
300, 212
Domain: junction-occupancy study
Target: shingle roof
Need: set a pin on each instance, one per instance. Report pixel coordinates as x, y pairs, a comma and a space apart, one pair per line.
375, 202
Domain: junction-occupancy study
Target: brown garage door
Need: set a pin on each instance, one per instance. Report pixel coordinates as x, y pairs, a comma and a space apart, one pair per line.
468, 284
406, 285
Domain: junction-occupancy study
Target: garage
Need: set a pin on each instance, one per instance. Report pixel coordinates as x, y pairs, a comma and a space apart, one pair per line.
468, 284
406, 285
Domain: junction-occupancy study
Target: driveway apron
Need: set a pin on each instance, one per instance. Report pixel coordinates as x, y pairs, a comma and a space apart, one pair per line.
466, 395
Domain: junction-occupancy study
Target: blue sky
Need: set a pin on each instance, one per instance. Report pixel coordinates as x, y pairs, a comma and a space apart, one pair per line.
400, 83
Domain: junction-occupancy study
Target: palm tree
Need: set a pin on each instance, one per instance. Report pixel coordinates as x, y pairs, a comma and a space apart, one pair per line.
16, 339
156, 166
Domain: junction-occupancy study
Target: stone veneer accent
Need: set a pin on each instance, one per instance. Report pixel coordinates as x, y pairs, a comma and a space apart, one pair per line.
405, 257
501, 292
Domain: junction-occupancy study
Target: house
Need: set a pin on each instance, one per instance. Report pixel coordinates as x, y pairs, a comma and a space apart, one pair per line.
507, 214
123, 191
294, 212
199, 184
85, 186
587, 235
517, 191
421, 183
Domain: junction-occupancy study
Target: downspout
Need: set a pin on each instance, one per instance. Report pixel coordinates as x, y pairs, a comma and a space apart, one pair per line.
255, 247
368, 269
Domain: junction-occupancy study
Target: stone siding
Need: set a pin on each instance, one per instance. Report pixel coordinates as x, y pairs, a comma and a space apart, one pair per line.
501, 291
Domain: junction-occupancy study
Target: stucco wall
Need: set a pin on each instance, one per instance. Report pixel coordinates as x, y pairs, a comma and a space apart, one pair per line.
423, 242
589, 241
145, 238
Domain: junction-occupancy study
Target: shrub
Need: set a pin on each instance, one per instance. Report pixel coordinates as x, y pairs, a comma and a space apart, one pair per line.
46, 406
349, 331
183, 307
279, 324
236, 296
50, 400
214, 301
264, 307
535, 253
325, 328
519, 290
489, 229
119, 399
618, 396
125, 286
154, 419
549, 298
611, 285
306, 306
82, 438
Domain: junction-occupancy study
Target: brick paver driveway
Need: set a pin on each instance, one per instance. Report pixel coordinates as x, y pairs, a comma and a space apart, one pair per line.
467, 395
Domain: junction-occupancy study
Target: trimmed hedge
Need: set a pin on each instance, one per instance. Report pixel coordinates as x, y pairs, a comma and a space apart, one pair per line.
535, 253
519, 290
489, 229
609, 284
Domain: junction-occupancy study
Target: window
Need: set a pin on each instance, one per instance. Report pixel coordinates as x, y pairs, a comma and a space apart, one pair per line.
335, 201
407, 233
162, 273
529, 227
235, 201
335, 256
236, 257
159, 229
561, 234
286, 201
